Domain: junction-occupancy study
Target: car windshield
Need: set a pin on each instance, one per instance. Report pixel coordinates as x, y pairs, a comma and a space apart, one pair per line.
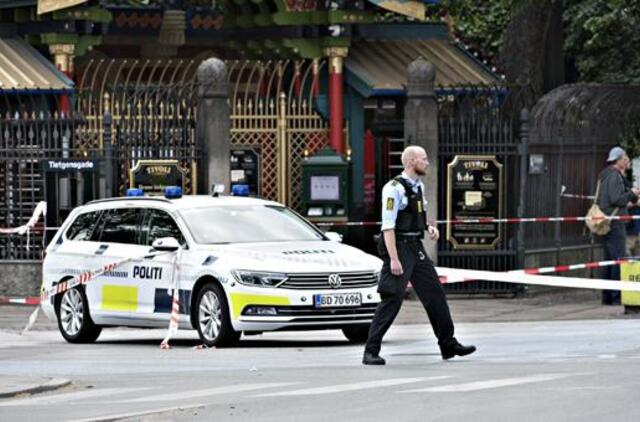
247, 224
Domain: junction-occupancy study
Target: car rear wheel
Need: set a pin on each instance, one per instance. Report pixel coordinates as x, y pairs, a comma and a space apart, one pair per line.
213, 320
356, 333
74, 321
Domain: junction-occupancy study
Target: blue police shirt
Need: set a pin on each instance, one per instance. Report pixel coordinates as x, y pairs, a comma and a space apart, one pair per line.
394, 200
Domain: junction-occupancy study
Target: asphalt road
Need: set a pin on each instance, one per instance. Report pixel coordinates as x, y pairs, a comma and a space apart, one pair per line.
543, 370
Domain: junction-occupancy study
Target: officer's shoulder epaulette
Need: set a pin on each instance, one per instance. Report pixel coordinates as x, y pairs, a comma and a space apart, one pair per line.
394, 182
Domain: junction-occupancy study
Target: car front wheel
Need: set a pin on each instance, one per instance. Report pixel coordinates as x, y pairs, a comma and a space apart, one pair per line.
213, 320
74, 321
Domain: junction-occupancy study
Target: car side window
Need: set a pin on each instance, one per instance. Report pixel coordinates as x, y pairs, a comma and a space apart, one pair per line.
158, 224
121, 225
83, 226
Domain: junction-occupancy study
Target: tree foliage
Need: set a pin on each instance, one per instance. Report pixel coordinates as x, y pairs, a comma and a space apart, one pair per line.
602, 37
480, 24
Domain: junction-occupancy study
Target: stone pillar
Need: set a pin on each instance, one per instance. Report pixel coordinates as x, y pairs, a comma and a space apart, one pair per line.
213, 125
421, 128
336, 115
63, 59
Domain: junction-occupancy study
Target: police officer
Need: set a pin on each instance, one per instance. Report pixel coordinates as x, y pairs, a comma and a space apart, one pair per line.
403, 224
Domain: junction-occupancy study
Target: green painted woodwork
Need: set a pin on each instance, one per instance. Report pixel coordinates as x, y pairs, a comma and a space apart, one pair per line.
82, 43
94, 13
355, 104
293, 18
350, 16
335, 42
306, 48
320, 17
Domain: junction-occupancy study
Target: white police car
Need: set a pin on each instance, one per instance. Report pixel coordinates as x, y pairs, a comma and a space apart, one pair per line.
245, 265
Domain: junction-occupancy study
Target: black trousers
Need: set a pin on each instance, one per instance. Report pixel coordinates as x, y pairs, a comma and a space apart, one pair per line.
615, 247
417, 268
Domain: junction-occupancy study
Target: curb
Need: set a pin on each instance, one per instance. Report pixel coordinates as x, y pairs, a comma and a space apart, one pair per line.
51, 384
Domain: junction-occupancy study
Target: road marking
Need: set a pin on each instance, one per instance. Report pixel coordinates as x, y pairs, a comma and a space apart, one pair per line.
74, 395
350, 387
185, 395
488, 384
607, 356
136, 414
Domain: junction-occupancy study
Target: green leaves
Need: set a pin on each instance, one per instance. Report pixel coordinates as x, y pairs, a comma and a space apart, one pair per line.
602, 36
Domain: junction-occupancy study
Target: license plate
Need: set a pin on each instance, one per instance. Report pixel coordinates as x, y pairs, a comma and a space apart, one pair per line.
337, 299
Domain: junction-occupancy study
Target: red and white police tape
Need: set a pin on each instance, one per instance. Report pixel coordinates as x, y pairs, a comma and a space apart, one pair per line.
577, 196
29, 300
41, 210
556, 269
486, 220
84, 278
563, 268
174, 320
457, 275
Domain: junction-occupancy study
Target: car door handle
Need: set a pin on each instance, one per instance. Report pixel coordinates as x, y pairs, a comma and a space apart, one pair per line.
101, 249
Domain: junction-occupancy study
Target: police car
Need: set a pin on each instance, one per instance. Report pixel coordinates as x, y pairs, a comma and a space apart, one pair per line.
243, 265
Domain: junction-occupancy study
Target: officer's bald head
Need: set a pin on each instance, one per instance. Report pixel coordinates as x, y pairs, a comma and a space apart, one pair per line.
412, 153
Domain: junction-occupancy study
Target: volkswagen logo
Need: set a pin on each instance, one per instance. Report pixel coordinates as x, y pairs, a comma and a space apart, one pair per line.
335, 281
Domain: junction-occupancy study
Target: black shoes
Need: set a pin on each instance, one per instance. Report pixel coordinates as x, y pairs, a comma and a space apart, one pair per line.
456, 350
371, 359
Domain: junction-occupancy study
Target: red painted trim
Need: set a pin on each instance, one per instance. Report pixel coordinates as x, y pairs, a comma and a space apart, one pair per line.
336, 113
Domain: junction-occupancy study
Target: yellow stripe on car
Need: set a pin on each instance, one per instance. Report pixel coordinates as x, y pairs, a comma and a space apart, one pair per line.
119, 298
240, 300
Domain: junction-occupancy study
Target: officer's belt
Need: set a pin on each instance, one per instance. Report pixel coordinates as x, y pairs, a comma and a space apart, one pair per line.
410, 235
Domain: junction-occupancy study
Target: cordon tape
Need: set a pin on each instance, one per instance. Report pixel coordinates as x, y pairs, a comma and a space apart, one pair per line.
486, 220
447, 275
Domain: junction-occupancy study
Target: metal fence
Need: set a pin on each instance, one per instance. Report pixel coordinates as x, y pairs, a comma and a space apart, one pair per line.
480, 122
572, 129
27, 140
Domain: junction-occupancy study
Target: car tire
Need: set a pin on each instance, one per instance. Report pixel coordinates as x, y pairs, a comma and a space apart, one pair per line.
74, 319
356, 333
212, 317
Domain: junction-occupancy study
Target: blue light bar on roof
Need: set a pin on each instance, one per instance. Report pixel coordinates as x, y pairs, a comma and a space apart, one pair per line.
173, 192
240, 190
135, 192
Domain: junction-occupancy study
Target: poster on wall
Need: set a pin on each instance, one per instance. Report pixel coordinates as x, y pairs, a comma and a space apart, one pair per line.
245, 168
474, 190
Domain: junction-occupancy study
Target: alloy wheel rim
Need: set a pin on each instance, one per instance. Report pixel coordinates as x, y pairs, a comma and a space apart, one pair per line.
210, 316
71, 312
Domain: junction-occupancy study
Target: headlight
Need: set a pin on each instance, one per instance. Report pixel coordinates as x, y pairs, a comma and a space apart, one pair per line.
259, 279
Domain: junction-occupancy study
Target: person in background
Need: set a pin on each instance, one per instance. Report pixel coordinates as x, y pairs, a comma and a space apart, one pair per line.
614, 197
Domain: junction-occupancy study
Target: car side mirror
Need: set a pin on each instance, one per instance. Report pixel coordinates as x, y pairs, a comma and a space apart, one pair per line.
334, 237
166, 244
